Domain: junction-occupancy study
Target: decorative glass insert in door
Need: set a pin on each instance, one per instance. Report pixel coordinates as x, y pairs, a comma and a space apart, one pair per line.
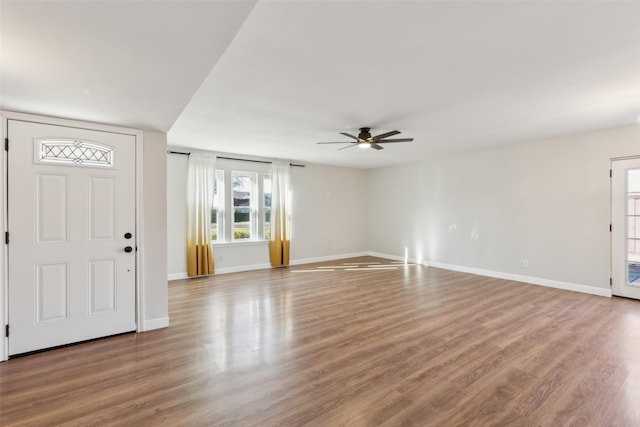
633, 227
72, 152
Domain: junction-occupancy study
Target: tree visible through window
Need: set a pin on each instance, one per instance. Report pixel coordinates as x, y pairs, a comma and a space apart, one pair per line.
243, 205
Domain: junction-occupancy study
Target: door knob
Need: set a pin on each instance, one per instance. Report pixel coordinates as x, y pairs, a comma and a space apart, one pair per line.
128, 249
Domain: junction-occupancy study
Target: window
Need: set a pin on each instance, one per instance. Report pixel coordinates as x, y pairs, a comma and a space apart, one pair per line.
74, 152
243, 205
242, 202
633, 226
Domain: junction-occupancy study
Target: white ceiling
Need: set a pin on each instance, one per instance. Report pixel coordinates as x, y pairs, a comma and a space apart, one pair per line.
271, 79
130, 63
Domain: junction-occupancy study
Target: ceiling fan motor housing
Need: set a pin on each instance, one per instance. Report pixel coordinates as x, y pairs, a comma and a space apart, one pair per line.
364, 133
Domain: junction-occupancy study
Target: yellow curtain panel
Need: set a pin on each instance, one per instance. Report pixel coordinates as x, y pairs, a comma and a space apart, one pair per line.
279, 252
280, 243
200, 191
199, 260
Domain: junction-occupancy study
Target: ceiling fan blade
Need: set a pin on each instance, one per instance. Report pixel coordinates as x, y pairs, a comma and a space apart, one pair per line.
336, 142
376, 146
396, 140
351, 144
350, 136
384, 135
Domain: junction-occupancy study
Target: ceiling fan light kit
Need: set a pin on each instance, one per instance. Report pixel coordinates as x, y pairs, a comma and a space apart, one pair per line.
365, 140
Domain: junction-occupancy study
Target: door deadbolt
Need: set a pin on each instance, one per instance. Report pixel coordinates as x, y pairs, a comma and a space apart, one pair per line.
127, 235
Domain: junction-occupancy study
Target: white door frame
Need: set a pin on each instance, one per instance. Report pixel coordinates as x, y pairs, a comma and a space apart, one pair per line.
4, 288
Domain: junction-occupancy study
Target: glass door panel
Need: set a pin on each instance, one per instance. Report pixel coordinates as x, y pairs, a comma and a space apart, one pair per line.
633, 226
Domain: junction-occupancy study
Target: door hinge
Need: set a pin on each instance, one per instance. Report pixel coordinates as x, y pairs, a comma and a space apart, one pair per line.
610, 173
6, 238
6, 144
611, 282
6, 331
610, 228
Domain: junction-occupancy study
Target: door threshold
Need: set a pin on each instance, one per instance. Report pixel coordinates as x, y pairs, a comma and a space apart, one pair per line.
42, 350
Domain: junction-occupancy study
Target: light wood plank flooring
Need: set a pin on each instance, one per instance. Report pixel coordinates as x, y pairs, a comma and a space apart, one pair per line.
400, 345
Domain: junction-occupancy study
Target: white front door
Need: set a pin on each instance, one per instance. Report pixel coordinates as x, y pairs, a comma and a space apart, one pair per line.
71, 222
625, 232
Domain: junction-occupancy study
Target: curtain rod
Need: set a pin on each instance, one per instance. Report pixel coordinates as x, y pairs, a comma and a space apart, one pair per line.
233, 158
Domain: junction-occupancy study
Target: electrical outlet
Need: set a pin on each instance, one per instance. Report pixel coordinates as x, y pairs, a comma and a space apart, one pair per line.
525, 263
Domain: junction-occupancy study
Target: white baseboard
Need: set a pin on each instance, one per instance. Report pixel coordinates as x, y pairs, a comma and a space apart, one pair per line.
568, 286
327, 258
151, 324
397, 258
242, 268
238, 269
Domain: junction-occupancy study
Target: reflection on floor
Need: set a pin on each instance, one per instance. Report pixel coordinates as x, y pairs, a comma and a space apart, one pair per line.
356, 266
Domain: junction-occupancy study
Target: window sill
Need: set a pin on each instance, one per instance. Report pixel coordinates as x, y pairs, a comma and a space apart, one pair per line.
240, 243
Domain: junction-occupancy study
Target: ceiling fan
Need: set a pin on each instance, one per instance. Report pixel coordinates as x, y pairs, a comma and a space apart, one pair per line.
365, 140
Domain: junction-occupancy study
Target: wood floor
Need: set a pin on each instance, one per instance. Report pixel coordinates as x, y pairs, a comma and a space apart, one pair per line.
394, 345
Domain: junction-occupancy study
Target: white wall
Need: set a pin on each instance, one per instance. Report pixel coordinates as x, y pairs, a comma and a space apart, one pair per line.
176, 214
547, 202
328, 218
154, 228
329, 212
